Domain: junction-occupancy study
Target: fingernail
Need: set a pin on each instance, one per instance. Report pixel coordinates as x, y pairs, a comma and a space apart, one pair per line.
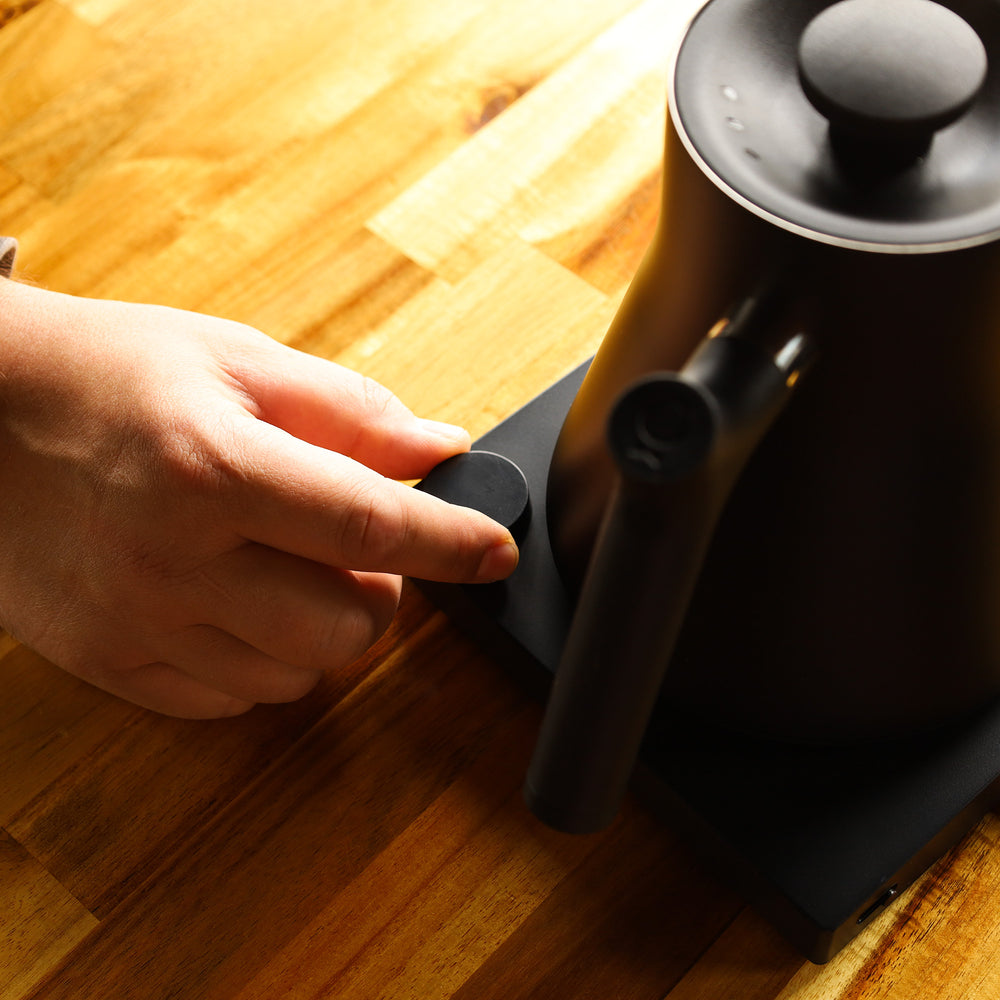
499, 562
450, 432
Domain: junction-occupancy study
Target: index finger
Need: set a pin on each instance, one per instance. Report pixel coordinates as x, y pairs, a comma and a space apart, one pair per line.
327, 507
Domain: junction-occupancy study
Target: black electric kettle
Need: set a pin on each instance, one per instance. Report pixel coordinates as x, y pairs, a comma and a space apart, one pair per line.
777, 493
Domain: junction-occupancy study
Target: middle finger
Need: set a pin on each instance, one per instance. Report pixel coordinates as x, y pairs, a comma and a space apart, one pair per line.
298, 611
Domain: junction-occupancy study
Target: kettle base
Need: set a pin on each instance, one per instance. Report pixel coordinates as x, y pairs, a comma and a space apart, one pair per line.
819, 839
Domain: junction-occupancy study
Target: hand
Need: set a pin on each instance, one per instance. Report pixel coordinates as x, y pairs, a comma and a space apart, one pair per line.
196, 518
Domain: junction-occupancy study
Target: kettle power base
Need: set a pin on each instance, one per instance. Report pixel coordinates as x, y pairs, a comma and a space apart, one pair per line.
819, 839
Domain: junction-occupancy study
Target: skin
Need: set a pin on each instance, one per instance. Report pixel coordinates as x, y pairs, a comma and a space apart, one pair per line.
196, 518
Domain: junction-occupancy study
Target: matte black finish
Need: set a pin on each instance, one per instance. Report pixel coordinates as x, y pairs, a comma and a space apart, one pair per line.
486, 482
851, 587
679, 442
741, 110
891, 71
814, 836
842, 593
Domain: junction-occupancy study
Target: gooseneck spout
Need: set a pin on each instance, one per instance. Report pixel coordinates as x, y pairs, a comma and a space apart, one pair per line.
679, 441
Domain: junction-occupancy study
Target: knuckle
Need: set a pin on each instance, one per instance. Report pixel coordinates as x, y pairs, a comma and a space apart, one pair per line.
467, 546
378, 400
149, 559
350, 629
463, 547
195, 453
376, 407
194, 460
333, 645
377, 528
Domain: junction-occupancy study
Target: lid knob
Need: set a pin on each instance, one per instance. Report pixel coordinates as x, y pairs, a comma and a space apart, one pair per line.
890, 73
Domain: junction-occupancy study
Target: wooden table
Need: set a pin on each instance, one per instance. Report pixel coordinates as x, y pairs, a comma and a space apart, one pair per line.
450, 196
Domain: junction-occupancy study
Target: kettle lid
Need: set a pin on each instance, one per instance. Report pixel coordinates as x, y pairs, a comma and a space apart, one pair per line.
865, 123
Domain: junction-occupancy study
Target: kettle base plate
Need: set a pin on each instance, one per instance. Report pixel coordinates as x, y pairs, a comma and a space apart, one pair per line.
819, 839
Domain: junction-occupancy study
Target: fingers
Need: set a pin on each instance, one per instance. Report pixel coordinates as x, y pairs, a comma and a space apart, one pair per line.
335, 408
332, 510
233, 668
324, 446
293, 611
290, 620
163, 688
207, 674
279, 622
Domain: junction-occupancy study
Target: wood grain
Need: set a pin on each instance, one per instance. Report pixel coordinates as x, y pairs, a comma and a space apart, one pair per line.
452, 198
42, 921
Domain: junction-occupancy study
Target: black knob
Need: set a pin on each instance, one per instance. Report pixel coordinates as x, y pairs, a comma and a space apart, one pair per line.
891, 72
484, 481
662, 429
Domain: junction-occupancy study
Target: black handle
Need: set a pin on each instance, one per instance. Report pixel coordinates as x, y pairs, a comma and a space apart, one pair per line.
679, 441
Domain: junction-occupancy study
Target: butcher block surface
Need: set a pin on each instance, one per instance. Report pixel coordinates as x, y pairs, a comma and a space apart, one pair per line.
451, 197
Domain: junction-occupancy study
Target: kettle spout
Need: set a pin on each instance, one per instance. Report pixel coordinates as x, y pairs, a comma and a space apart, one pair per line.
679, 442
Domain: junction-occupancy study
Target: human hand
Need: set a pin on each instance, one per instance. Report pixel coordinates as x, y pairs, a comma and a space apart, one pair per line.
196, 518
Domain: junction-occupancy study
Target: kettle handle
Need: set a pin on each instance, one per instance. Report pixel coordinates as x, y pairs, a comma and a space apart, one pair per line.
679, 441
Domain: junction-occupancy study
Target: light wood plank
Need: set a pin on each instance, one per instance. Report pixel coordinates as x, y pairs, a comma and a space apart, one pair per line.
341, 144
534, 321
604, 113
40, 923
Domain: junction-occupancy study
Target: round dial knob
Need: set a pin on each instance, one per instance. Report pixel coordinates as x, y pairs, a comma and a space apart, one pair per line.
891, 72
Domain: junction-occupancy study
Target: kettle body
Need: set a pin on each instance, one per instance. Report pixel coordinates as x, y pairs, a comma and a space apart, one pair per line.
850, 589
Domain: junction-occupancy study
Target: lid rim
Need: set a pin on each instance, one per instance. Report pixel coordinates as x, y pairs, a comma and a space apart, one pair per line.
763, 195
